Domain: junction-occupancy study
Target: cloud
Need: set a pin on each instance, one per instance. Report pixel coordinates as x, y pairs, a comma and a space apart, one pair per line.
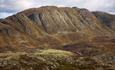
16, 4
13, 6
99, 4
94, 5
9, 7
5, 14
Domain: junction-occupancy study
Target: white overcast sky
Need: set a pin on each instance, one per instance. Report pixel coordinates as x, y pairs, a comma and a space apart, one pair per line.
9, 7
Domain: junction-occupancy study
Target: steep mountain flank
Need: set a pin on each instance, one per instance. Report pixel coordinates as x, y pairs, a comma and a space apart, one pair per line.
58, 20
52, 27
106, 19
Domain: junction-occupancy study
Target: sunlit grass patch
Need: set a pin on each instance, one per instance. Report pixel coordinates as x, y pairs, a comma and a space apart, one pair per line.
53, 52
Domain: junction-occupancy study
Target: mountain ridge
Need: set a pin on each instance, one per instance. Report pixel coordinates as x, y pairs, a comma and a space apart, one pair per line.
51, 26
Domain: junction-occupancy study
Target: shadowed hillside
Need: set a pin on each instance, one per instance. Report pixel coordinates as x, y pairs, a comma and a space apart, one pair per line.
107, 19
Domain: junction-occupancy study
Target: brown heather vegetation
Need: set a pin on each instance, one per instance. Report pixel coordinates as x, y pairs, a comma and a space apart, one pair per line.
51, 60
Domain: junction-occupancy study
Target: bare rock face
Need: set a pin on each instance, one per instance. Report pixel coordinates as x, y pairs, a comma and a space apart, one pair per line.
53, 27
58, 20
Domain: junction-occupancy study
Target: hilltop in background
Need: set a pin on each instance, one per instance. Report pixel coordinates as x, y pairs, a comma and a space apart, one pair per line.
83, 33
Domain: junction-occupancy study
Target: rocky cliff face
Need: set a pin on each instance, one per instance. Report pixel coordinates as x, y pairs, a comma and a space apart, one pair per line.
53, 27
